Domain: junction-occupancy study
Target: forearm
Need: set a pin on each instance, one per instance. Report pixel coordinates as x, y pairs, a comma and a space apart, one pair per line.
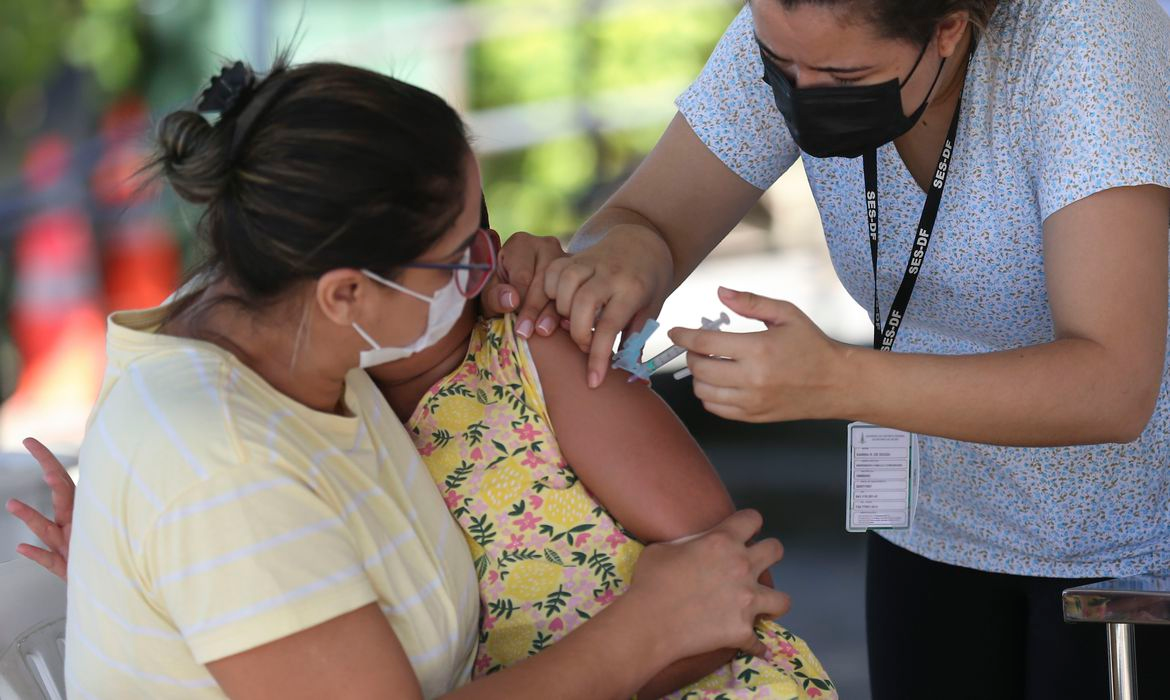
616, 220
684, 672
683, 193
611, 656
1069, 391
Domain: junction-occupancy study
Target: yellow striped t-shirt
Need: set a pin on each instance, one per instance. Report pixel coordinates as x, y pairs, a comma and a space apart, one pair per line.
214, 514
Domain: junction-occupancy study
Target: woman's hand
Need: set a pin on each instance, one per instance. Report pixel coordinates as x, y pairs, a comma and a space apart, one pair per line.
519, 287
705, 590
789, 371
610, 288
55, 533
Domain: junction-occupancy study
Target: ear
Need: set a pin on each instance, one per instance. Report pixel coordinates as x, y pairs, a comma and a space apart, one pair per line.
341, 293
950, 33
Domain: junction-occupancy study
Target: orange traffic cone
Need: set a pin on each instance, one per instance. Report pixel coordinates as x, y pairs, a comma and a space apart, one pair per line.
58, 324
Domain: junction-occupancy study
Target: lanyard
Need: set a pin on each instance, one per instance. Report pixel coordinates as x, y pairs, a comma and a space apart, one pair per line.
883, 338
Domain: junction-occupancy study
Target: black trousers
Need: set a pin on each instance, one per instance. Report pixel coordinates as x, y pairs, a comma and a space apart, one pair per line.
941, 631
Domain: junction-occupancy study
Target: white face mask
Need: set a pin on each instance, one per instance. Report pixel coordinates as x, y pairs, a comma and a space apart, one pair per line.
446, 305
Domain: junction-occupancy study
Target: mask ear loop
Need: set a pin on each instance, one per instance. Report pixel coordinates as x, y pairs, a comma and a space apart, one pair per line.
398, 287
918, 61
365, 336
302, 334
933, 83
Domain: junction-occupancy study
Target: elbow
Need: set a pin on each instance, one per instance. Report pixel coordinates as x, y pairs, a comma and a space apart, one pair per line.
1131, 428
1135, 414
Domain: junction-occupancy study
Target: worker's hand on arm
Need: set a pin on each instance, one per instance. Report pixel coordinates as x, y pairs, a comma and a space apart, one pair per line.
610, 288
676, 207
629, 256
616, 284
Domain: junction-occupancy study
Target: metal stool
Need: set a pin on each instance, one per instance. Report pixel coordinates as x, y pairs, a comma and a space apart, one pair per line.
1120, 604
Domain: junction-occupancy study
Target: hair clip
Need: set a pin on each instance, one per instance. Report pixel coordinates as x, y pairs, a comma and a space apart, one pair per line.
226, 89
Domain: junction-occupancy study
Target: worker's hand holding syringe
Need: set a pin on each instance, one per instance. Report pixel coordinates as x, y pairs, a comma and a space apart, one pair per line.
629, 357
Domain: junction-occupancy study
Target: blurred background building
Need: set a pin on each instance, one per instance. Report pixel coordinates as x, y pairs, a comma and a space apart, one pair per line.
564, 98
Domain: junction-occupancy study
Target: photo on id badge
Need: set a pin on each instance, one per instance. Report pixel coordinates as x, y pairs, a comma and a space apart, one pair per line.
883, 467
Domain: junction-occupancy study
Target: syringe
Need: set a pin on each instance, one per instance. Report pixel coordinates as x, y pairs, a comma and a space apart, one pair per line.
656, 362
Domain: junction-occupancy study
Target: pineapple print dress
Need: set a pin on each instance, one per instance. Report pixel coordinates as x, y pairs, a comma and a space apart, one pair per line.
547, 554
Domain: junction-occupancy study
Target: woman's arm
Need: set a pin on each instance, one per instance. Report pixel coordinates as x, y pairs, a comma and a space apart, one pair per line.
1098, 381
682, 193
636, 457
677, 605
357, 655
686, 599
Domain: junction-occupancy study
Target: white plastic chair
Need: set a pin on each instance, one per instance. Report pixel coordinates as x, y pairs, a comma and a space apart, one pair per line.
32, 632
32, 601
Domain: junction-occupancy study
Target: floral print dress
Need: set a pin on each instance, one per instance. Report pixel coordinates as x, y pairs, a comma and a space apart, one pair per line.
547, 554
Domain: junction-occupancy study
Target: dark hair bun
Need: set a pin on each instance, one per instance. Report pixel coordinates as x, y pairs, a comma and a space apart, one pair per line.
313, 168
191, 155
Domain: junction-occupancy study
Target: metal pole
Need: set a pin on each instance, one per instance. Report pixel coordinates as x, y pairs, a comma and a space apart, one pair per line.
1122, 658
259, 23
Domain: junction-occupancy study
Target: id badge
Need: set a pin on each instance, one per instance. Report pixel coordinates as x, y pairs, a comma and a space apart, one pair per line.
883, 468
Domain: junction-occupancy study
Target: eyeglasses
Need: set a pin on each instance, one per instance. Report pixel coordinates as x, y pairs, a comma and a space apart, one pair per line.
474, 269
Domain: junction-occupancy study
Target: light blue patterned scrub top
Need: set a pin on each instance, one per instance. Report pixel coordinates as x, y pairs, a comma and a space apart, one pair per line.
1063, 98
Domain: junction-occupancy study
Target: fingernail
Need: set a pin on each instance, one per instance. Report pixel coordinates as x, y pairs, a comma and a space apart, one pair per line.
565, 324
10, 506
594, 380
546, 326
509, 298
524, 330
726, 293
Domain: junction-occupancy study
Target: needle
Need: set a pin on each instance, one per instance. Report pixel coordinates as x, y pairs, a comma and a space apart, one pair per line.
656, 362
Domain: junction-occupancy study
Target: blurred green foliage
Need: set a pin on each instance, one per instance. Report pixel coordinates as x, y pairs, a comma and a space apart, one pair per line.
167, 48
551, 187
36, 36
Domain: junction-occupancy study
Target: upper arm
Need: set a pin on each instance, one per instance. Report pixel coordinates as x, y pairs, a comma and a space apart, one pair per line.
1097, 105
727, 144
685, 193
628, 448
249, 556
1098, 110
1105, 260
352, 656
261, 579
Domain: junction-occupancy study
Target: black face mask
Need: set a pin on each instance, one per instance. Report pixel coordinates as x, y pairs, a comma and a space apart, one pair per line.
844, 121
